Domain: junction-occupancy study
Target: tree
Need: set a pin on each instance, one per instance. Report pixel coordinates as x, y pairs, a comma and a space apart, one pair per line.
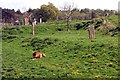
8, 15
29, 10
76, 14
86, 10
18, 11
54, 10
45, 12
49, 12
86, 13
68, 11
100, 12
37, 14
93, 14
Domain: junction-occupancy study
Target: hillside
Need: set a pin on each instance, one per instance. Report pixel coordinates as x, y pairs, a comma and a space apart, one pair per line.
68, 54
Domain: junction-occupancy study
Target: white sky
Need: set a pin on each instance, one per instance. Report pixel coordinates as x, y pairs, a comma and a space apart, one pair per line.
24, 5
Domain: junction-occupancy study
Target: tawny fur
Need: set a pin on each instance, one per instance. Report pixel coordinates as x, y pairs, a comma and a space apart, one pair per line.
37, 55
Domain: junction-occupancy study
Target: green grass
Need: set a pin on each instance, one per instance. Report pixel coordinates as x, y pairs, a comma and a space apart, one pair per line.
114, 19
68, 54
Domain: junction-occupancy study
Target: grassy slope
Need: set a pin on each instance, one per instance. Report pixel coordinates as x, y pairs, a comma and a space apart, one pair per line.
113, 18
71, 55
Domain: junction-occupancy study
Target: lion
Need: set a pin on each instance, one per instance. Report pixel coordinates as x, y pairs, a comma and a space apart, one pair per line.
37, 55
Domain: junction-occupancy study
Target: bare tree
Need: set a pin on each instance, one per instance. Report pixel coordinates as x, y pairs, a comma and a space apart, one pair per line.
68, 11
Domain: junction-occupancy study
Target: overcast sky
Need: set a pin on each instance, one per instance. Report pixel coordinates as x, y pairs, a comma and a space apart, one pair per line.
24, 5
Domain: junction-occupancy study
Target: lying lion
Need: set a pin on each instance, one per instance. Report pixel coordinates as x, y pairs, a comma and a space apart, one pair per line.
37, 55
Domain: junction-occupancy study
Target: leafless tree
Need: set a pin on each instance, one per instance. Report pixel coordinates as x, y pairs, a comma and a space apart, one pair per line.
68, 11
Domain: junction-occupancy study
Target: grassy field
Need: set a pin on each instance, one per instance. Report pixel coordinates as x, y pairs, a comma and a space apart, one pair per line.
68, 54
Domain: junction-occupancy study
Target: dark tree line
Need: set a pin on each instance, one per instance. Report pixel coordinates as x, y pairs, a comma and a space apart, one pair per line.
84, 14
10, 15
50, 12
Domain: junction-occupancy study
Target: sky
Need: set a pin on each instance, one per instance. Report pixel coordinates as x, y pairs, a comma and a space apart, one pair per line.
24, 5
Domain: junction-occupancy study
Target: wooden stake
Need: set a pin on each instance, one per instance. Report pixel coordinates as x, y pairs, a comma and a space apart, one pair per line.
33, 32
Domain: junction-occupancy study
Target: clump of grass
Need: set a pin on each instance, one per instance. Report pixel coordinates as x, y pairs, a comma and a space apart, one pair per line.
38, 44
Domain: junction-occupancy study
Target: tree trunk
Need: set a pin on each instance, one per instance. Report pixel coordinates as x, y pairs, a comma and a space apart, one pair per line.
68, 25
